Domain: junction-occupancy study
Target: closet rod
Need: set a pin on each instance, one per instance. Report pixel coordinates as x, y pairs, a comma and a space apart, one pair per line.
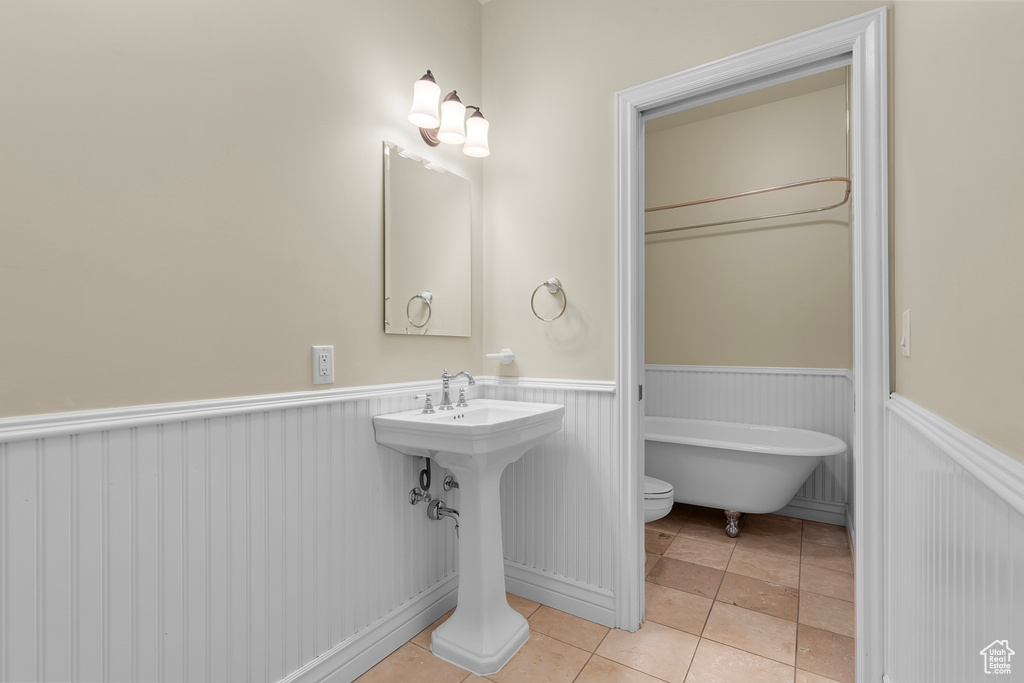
708, 200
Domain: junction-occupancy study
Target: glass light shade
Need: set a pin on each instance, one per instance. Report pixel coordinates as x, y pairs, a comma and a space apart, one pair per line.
425, 93
453, 119
476, 136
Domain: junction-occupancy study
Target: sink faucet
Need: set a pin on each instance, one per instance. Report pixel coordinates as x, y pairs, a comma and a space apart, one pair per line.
446, 399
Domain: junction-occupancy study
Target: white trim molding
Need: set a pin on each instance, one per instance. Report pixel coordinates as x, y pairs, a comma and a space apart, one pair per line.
955, 536
1000, 472
825, 511
237, 539
268, 538
750, 370
351, 658
597, 386
859, 41
574, 597
85, 421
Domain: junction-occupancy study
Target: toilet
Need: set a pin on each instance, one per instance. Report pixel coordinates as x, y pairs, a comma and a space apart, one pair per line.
657, 499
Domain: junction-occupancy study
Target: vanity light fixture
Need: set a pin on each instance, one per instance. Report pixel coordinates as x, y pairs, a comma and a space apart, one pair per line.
451, 125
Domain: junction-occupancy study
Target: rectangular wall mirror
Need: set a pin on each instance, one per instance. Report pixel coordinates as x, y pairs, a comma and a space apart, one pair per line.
427, 257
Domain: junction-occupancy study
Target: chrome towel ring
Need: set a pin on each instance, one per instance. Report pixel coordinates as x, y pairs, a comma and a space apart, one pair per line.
426, 298
554, 286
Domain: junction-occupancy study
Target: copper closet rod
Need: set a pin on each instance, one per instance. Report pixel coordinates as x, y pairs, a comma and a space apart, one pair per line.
694, 202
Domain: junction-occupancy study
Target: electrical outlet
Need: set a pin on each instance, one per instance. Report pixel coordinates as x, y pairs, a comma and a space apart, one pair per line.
323, 364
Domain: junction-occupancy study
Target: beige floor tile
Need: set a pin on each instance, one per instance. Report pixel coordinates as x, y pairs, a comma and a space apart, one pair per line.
828, 582
669, 524
543, 660
700, 552
601, 670
652, 560
423, 637
785, 547
717, 663
676, 609
698, 513
827, 613
765, 567
784, 517
827, 557
760, 596
807, 677
657, 541
657, 650
687, 576
826, 534
522, 605
745, 629
680, 511
413, 664
473, 678
567, 628
772, 525
825, 653
703, 530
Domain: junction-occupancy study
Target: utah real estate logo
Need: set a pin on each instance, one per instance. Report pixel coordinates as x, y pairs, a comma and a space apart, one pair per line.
997, 657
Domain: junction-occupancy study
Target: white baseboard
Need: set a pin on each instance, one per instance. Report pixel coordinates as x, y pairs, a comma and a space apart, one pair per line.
824, 511
563, 594
350, 659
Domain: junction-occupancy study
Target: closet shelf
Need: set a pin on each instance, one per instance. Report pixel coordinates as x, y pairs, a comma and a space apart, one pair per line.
748, 193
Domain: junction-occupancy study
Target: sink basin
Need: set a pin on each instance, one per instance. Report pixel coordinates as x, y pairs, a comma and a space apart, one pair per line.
476, 443
485, 427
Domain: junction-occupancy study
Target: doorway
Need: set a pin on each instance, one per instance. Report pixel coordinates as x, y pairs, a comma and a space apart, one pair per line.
859, 41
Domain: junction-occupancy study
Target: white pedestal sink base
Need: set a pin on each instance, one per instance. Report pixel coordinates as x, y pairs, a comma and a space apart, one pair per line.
476, 442
484, 632
463, 644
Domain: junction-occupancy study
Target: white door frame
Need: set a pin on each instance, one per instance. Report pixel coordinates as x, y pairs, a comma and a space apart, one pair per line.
861, 41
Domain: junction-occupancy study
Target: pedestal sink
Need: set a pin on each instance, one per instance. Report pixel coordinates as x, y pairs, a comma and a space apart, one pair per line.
476, 443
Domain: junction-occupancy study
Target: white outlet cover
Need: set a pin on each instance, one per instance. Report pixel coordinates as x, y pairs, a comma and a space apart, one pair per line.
323, 365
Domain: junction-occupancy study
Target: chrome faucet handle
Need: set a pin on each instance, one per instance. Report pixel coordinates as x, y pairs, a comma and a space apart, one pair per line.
446, 399
462, 398
428, 407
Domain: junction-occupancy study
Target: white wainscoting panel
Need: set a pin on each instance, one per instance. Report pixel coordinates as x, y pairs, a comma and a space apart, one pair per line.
818, 399
955, 547
215, 541
557, 501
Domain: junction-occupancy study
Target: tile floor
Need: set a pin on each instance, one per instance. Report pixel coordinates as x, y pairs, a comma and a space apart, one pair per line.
776, 604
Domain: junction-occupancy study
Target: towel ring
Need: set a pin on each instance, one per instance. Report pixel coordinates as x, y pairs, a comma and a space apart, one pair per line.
425, 297
553, 285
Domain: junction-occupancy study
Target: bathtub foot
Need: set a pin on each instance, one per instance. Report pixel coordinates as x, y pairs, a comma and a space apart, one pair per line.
733, 519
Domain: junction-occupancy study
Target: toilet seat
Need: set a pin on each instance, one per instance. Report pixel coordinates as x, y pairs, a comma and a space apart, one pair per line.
658, 496
656, 488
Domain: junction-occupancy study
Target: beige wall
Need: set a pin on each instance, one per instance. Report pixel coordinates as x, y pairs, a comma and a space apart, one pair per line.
191, 194
190, 191
765, 293
959, 212
551, 71
552, 67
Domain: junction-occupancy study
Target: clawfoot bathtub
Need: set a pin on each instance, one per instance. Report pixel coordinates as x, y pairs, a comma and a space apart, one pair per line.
738, 468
